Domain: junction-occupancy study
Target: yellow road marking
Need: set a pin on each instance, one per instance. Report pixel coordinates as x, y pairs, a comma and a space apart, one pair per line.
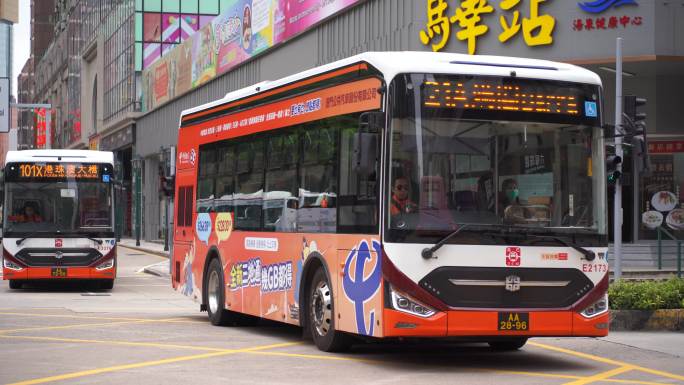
123, 343
318, 357
602, 376
75, 326
117, 368
608, 361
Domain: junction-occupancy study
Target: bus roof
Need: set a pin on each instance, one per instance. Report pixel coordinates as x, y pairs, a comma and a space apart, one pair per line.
60, 156
392, 63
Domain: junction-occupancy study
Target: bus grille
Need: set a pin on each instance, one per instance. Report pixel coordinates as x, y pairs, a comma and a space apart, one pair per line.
58, 257
507, 288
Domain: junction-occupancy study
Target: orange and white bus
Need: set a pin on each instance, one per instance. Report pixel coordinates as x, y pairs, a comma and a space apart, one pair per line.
59, 217
400, 194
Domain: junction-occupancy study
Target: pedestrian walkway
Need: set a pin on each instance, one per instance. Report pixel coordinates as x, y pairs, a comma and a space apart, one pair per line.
146, 246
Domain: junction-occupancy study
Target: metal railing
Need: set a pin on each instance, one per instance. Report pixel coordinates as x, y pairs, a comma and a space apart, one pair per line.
661, 231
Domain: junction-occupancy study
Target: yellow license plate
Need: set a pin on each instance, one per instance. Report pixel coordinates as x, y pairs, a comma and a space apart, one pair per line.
514, 321
58, 272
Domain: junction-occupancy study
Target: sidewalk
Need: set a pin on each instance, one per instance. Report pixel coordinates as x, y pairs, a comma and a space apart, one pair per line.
155, 248
160, 269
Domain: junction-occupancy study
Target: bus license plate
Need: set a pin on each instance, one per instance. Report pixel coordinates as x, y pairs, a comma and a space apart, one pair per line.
58, 272
514, 321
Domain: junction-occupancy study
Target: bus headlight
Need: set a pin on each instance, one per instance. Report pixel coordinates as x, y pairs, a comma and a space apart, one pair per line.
10, 265
406, 304
597, 308
108, 264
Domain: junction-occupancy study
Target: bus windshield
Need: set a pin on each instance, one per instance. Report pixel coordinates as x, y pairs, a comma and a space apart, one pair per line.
66, 205
519, 154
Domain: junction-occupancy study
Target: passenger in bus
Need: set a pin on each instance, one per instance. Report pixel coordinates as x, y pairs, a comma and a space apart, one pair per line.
512, 208
401, 197
28, 214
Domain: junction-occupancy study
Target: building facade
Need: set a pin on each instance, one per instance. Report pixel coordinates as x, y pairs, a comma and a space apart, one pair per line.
568, 31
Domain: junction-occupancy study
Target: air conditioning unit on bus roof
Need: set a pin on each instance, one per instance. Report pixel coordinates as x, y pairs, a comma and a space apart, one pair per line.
237, 94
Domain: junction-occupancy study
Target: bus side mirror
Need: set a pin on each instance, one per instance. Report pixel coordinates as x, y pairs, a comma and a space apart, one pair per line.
366, 148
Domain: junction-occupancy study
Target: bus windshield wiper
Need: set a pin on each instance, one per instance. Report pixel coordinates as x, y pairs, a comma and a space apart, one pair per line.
31, 235
429, 252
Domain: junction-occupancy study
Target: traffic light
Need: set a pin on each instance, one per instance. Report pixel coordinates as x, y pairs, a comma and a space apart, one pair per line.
168, 184
612, 162
636, 120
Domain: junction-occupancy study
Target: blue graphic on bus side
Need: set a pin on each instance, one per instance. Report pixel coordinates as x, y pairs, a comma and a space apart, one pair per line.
360, 290
590, 109
599, 6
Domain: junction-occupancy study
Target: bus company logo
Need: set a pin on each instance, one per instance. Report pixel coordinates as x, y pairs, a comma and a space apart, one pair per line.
187, 157
58, 242
554, 257
512, 283
600, 6
513, 256
364, 284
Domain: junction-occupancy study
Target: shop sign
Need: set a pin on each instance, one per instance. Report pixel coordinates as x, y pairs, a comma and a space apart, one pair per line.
471, 19
665, 147
41, 128
94, 142
602, 22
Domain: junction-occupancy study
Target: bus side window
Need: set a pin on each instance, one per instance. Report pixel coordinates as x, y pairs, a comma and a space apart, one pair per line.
206, 179
358, 195
250, 185
280, 197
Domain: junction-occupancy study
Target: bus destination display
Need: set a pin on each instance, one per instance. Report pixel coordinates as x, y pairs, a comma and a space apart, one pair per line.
483, 95
58, 171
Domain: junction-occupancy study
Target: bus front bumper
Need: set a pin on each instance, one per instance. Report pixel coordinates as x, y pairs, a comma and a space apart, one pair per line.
474, 323
36, 273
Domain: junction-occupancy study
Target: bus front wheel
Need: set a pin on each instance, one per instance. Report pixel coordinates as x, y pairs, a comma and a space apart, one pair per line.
15, 284
322, 316
508, 345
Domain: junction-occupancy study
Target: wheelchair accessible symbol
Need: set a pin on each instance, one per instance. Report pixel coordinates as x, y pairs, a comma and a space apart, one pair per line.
361, 289
590, 109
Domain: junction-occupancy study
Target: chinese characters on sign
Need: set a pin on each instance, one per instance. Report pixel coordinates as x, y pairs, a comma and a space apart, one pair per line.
666, 147
471, 16
599, 23
76, 171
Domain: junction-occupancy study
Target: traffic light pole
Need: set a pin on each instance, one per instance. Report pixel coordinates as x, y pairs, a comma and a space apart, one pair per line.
617, 208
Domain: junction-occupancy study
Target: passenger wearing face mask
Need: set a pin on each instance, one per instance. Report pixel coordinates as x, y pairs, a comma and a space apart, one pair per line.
513, 211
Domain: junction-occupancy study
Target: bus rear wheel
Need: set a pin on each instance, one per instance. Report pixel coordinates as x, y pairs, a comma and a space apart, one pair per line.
15, 284
322, 316
216, 297
508, 345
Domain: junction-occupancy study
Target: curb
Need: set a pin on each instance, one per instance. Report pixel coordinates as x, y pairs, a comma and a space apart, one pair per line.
151, 271
650, 320
148, 251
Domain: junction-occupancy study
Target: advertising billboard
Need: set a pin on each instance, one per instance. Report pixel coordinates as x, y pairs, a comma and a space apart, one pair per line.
246, 29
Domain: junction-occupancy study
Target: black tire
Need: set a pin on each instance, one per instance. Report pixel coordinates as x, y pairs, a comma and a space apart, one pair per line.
15, 284
508, 345
216, 296
321, 316
107, 284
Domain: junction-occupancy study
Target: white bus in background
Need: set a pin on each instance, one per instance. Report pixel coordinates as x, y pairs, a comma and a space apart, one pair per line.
58, 217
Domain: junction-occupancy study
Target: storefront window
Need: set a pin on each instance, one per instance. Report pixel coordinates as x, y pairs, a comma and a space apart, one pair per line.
660, 197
